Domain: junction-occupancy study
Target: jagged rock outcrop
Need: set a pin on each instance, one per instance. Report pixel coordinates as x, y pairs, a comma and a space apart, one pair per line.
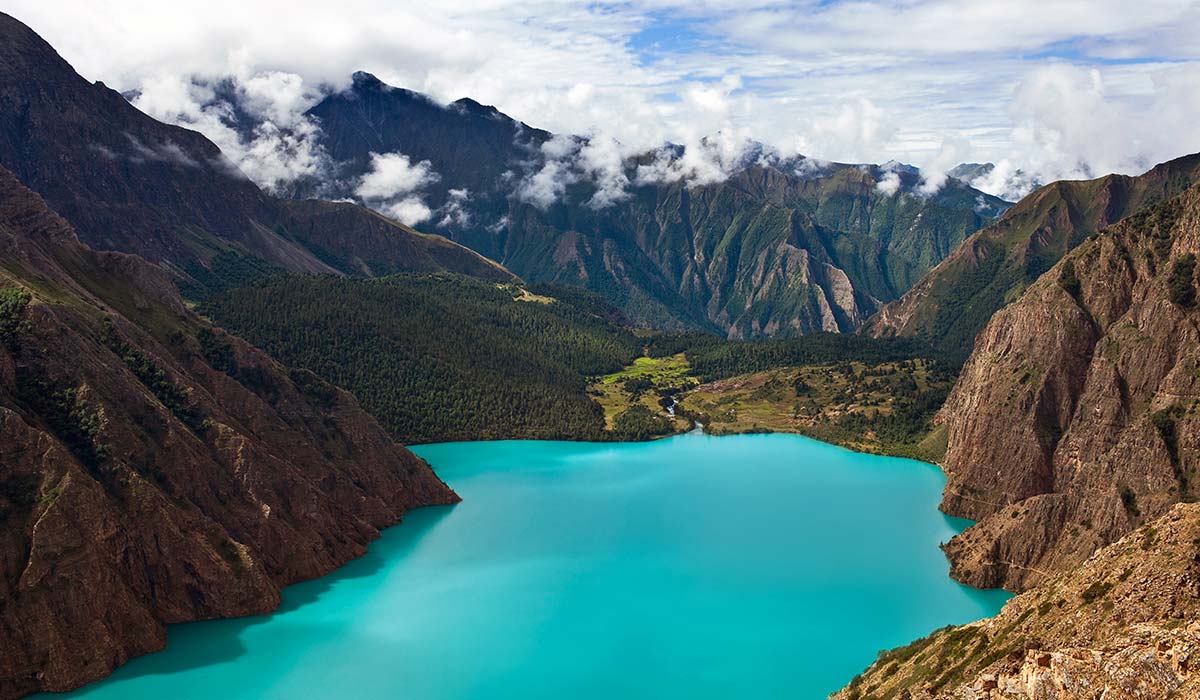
1123, 626
950, 305
154, 469
129, 183
1075, 419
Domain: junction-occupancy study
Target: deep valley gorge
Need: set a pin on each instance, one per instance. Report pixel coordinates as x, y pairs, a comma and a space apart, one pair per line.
211, 379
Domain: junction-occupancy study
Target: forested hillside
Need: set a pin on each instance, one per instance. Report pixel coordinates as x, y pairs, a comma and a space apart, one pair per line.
442, 357
445, 357
713, 358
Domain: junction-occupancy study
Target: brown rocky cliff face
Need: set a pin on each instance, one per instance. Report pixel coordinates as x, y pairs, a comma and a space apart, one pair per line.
1123, 626
1075, 419
147, 478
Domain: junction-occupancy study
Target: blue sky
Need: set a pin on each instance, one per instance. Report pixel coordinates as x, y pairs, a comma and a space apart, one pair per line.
1054, 88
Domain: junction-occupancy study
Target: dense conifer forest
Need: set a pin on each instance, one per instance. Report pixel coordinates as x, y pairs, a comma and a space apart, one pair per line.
442, 357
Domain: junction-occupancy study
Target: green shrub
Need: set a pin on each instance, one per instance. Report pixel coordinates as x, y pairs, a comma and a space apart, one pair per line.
154, 379
1164, 422
1129, 500
636, 386
1180, 286
12, 315
217, 352
71, 420
640, 423
1068, 280
320, 392
1096, 591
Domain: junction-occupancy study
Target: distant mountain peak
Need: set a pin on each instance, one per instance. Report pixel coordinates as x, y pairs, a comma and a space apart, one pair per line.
362, 80
970, 171
896, 166
468, 105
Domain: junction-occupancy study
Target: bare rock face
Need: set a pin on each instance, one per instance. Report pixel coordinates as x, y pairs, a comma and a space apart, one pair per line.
1123, 626
1075, 419
154, 469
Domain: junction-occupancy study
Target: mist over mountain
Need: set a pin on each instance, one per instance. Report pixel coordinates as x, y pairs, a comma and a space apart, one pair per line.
724, 235
130, 183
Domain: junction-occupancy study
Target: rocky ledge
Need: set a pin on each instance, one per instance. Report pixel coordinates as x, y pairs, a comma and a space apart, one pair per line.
1123, 626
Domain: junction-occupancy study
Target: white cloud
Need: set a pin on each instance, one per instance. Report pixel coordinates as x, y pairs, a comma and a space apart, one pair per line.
167, 152
933, 175
394, 174
392, 186
545, 186
603, 159
499, 225
454, 212
1076, 123
280, 149
889, 184
599, 160
701, 162
409, 211
870, 80
857, 131
580, 94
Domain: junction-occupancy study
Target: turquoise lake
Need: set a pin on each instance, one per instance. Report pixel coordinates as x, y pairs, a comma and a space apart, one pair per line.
765, 566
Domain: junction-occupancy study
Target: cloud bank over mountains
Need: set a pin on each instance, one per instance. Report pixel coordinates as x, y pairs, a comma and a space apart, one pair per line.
1046, 89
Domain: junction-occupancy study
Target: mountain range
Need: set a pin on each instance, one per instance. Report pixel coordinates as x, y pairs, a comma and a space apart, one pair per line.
767, 246
129, 183
158, 468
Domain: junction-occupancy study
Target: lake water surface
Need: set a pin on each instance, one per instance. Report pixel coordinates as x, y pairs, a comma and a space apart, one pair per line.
764, 566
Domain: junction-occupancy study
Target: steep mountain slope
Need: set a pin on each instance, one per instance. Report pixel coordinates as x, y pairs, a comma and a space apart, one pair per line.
784, 246
1075, 418
766, 252
154, 469
132, 184
1121, 627
951, 304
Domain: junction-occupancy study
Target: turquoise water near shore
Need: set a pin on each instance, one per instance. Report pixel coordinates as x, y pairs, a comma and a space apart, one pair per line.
765, 566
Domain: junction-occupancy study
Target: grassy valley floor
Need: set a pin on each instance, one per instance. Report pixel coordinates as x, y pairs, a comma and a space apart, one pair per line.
882, 408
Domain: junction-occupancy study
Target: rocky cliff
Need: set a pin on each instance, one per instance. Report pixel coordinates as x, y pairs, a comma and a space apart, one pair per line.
129, 183
953, 301
154, 469
1123, 626
1075, 419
